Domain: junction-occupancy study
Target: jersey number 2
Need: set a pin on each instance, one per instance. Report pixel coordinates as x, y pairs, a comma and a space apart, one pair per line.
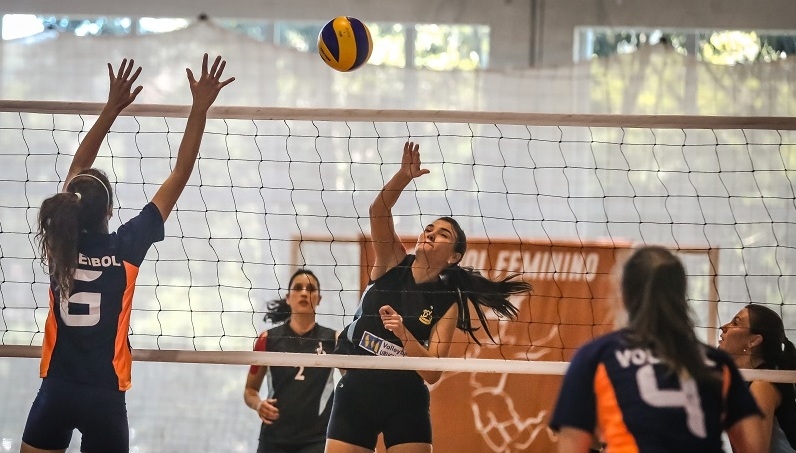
92, 300
686, 397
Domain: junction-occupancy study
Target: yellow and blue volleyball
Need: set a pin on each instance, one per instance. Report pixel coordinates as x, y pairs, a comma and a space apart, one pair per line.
345, 43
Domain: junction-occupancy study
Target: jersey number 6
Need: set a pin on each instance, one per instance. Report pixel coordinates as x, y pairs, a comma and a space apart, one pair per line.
92, 300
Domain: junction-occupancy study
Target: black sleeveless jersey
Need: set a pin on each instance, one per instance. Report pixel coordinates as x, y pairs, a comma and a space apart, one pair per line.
303, 395
420, 304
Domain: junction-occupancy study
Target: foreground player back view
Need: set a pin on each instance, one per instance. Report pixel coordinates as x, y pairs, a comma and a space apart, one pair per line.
86, 360
653, 386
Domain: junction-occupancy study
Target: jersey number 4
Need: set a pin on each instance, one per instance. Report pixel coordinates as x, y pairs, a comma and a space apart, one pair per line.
686, 397
90, 300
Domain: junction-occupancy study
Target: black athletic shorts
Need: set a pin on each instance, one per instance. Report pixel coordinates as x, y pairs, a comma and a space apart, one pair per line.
267, 447
369, 402
60, 407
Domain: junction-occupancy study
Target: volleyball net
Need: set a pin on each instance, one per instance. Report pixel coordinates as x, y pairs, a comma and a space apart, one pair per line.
558, 199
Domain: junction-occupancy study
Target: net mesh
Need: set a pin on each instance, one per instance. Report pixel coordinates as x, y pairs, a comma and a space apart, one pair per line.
557, 199
270, 195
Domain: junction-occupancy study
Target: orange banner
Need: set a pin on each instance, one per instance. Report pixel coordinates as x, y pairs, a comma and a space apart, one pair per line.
572, 302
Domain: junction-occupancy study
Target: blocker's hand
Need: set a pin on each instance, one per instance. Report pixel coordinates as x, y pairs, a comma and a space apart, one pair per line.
206, 88
121, 92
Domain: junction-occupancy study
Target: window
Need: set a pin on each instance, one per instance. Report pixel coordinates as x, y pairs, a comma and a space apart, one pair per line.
713, 46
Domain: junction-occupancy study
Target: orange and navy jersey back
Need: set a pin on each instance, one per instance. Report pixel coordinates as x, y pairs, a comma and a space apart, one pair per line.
638, 405
85, 336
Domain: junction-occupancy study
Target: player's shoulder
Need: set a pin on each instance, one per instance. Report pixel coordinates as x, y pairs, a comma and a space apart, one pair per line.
398, 273
596, 350
608, 341
148, 215
260, 341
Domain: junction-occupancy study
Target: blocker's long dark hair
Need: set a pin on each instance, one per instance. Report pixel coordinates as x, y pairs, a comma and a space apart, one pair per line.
84, 206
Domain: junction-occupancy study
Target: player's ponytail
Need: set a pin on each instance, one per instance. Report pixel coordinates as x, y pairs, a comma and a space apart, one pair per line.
83, 207
470, 285
654, 286
277, 311
57, 236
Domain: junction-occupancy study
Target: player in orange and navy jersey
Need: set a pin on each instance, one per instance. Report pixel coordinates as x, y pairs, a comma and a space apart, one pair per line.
652, 386
295, 412
86, 360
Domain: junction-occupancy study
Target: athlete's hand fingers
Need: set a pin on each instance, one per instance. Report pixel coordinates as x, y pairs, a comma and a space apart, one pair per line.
390, 318
267, 411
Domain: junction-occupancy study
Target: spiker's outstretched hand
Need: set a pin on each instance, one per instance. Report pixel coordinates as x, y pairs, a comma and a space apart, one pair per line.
410, 161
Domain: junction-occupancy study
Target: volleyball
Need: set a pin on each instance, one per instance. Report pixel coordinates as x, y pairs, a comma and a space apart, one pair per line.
344, 43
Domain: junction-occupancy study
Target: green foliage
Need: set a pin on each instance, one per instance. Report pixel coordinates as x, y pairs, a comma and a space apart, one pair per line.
447, 47
717, 46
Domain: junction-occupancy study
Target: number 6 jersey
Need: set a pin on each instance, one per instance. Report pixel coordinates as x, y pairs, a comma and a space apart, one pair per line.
85, 337
639, 405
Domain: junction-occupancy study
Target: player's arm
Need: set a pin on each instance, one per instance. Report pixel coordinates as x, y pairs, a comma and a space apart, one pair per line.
254, 382
336, 339
204, 91
746, 435
768, 400
265, 408
439, 341
386, 244
119, 97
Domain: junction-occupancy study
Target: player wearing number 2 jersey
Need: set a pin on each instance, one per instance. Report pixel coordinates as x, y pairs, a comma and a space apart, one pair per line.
653, 387
86, 358
296, 410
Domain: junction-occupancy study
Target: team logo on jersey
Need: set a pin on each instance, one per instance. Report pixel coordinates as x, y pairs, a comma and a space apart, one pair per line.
425, 318
319, 349
379, 346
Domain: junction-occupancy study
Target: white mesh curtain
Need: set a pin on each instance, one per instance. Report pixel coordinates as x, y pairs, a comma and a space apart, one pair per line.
181, 407
654, 80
